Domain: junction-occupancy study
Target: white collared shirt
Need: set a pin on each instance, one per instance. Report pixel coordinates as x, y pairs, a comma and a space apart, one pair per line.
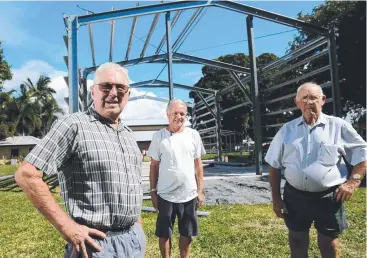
311, 156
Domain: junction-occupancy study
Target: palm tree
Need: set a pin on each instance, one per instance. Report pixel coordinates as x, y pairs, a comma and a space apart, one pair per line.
41, 91
9, 114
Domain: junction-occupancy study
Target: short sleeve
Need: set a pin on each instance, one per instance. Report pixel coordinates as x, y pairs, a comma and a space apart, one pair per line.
55, 148
153, 150
199, 146
354, 145
274, 154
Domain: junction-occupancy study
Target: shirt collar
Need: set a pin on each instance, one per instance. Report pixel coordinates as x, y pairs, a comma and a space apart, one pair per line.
95, 116
322, 120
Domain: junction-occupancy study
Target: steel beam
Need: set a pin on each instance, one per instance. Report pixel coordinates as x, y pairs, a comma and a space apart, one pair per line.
239, 84
152, 27
164, 84
334, 73
320, 70
218, 126
112, 39
174, 20
91, 43
141, 10
186, 28
274, 17
132, 32
225, 90
206, 104
318, 42
235, 107
169, 54
255, 96
289, 68
72, 22
208, 62
148, 97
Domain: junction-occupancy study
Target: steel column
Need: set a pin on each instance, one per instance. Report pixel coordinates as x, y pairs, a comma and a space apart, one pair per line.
206, 104
169, 53
218, 126
73, 63
255, 96
334, 72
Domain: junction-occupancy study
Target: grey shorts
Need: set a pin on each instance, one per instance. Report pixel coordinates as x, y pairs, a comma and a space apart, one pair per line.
304, 208
187, 218
130, 244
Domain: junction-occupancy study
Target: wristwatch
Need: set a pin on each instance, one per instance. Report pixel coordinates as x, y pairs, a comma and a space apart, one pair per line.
153, 190
355, 177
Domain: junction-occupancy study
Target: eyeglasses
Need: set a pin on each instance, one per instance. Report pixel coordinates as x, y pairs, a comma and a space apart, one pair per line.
107, 87
182, 114
310, 99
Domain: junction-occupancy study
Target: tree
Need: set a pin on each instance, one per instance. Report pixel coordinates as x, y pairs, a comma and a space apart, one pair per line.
5, 73
240, 119
350, 20
9, 114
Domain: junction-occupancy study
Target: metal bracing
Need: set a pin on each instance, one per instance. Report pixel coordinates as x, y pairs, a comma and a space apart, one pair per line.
240, 84
334, 72
255, 96
174, 20
132, 32
237, 106
296, 53
152, 27
206, 104
164, 84
111, 39
169, 53
324, 85
181, 5
320, 70
218, 126
186, 28
91, 43
208, 62
245, 80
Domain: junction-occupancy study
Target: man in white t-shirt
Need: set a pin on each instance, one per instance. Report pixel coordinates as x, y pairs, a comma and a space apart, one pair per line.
176, 179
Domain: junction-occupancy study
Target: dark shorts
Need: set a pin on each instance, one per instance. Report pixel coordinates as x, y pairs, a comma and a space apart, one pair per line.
320, 208
187, 218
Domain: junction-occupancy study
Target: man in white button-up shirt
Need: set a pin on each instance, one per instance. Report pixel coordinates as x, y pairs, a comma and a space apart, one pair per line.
310, 151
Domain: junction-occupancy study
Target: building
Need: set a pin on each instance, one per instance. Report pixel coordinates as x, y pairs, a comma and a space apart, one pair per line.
144, 129
14, 147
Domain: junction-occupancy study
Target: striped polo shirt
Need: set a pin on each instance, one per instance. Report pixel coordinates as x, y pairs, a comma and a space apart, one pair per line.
98, 167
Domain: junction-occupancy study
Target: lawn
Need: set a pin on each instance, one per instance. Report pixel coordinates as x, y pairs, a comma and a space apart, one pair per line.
229, 231
6, 170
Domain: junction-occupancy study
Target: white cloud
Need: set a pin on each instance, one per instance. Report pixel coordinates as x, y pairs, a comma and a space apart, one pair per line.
138, 109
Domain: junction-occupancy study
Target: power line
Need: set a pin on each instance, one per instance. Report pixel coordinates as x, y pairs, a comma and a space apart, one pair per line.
238, 41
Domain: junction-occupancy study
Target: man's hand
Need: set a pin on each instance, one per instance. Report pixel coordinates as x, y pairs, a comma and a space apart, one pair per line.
201, 198
79, 235
154, 196
280, 208
345, 191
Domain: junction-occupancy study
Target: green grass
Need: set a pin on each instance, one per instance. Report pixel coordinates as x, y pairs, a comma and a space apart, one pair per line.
229, 231
6, 170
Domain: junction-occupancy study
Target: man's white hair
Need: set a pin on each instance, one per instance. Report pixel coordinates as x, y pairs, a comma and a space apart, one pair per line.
175, 101
107, 67
309, 84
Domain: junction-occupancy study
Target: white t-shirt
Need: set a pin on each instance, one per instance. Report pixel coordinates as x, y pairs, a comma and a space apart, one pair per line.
176, 153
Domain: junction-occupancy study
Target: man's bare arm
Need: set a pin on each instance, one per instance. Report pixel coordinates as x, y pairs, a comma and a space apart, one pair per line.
278, 204
199, 176
37, 191
346, 190
153, 179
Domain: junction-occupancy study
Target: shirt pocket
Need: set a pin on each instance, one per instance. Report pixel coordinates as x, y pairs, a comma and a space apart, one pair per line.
328, 155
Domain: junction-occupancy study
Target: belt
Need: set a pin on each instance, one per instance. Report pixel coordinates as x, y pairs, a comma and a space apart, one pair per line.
119, 229
311, 194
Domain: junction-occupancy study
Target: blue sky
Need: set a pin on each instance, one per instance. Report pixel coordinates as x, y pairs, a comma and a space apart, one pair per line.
32, 38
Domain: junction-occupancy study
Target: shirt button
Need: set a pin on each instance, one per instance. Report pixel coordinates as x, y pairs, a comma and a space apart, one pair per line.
306, 178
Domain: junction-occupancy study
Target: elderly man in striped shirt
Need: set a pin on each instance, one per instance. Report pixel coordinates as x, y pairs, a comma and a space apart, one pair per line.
98, 164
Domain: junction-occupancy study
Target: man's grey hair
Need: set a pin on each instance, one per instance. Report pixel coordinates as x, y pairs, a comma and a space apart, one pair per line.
309, 84
175, 101
110, 67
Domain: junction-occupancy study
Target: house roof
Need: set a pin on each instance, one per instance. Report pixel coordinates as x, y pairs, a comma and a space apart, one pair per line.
20, 140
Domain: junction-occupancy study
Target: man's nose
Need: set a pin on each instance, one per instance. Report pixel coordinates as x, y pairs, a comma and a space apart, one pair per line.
113, 91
